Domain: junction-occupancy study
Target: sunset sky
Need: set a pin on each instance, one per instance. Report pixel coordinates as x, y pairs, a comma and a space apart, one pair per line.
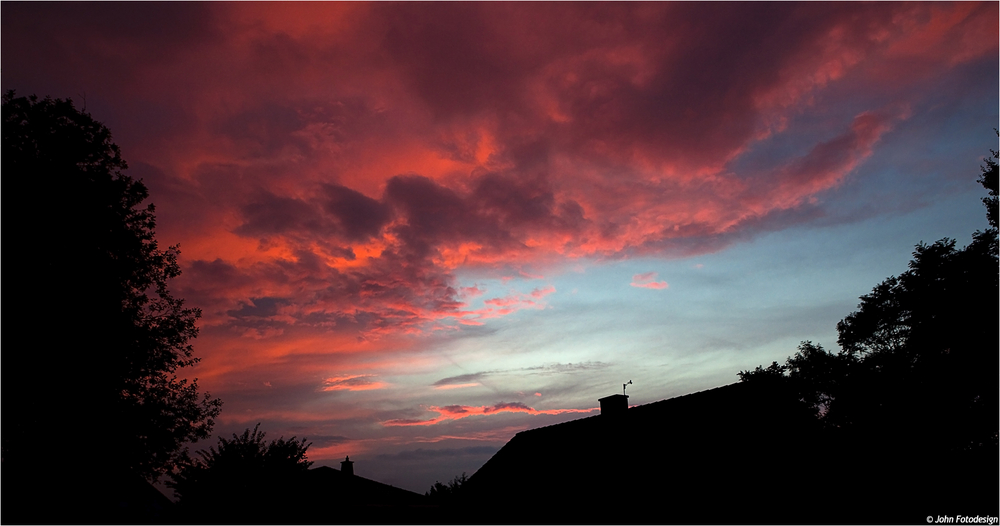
417, 229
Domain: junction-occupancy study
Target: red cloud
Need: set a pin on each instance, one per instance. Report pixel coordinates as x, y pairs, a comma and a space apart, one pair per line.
358, 202
332, 170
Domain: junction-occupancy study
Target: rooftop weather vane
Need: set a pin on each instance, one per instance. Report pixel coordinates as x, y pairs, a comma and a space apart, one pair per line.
623, 387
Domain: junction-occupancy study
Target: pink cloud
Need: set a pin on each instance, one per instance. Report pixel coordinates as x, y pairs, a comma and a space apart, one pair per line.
448, 413
358, 382
505, 305
522, 300
647, 280
457, 386
472, 292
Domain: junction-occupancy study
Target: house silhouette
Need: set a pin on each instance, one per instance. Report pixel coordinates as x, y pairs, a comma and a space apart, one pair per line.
321, 495
352, 499
737, 454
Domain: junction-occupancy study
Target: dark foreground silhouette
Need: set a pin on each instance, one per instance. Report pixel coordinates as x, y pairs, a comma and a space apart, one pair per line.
899, 426
249, 480
96, 347
743, 453
320, 495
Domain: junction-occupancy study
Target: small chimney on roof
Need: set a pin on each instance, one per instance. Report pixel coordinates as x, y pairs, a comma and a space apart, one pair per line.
614, 405
347, 466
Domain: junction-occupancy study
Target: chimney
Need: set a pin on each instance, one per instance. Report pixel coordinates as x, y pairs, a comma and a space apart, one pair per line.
614, 405
347, 466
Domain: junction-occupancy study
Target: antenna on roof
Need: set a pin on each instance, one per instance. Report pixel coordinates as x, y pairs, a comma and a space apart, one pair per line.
623, 386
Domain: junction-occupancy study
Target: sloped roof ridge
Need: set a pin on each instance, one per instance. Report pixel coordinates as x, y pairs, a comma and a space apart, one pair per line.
675, 399
684, 397
584, 419
322, 469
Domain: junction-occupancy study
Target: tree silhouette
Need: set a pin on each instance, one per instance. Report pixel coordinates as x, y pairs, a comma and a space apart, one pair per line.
773, 371
93, 375
920, 350
989, 179
449, 493
242, 479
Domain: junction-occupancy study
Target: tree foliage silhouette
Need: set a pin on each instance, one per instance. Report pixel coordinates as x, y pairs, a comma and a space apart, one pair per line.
448, 493
771, 372
102, 339
245, 473
920, 350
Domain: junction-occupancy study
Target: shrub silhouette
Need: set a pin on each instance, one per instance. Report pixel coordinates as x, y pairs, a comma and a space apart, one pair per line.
245, 479
449, 493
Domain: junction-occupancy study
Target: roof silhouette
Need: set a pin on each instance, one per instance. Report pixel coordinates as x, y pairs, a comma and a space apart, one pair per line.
359, 491
333, 496
741, 453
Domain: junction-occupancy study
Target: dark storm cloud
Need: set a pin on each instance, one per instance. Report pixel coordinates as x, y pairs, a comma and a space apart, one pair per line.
676, 81
435, 213
265, 129
360, 217
272, 214
217, 272
453, 56
341, 214
259, 308
516, 203
121, 33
